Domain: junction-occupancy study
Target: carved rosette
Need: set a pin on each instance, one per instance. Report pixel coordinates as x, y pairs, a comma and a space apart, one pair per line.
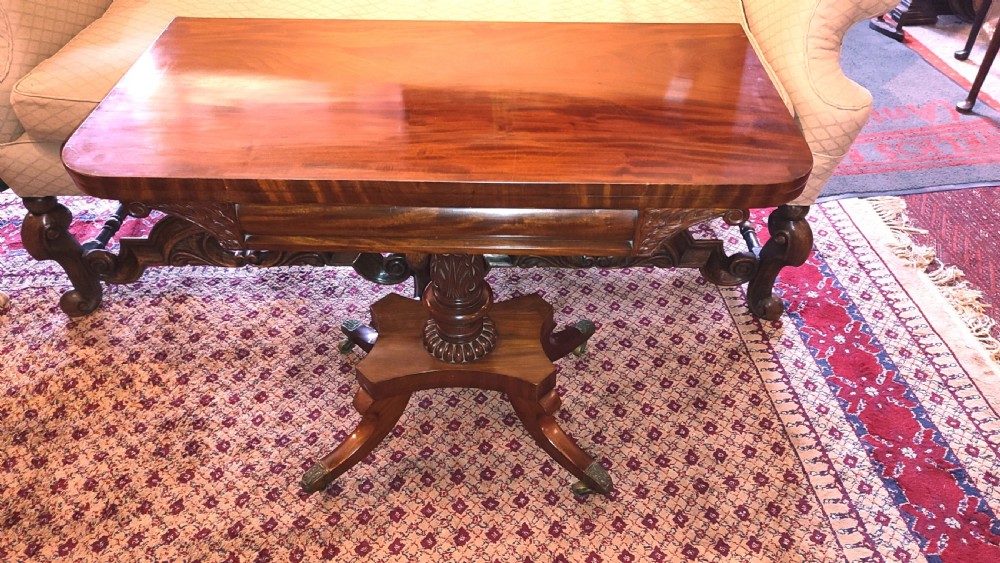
457, 300
734, 217
460, 352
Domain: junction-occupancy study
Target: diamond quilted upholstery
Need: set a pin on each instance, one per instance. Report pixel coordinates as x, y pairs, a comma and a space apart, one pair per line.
31, 31
801, 42
34, 169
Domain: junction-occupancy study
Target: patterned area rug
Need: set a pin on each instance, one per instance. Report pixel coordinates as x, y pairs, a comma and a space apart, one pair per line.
175, 422
915, 140
960, 228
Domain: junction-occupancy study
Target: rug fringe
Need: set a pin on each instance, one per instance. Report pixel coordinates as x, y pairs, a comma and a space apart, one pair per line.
967, 301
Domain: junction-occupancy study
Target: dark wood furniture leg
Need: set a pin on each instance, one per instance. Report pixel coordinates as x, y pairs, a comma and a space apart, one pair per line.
907, 12
984, 68
538, 417
45, 234
358, 334
572, 339
790, 243
977, 25
468, 341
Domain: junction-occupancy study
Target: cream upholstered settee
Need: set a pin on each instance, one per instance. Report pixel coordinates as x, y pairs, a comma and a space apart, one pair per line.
60, 57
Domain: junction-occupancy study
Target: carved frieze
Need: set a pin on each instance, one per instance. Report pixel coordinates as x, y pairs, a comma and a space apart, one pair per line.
658, 225
219, 219
176, 241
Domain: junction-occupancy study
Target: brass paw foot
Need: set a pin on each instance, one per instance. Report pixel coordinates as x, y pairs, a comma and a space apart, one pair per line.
316, 479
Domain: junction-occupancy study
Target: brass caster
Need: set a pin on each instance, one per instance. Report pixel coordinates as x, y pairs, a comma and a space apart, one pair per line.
316, 479
348, 327
588, 329
600, 477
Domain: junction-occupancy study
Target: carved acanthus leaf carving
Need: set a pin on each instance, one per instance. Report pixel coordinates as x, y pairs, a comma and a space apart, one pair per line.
458, 277
219, 219
658, 225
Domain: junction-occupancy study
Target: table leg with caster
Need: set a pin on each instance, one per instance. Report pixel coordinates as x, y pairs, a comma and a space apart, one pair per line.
378, 417
358, 334
569, 340
538, 418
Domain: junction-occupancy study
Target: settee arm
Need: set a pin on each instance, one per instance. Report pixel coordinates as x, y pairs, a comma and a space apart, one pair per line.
30, 32
799, 41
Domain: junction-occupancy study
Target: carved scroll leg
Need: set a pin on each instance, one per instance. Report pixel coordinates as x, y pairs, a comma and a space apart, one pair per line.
790, 243
571, 339
46, 236
377, 418
538, 417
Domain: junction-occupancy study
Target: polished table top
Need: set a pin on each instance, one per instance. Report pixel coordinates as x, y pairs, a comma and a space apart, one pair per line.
502, 115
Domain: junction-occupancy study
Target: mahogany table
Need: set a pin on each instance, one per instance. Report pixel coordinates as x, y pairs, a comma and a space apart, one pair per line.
554, 144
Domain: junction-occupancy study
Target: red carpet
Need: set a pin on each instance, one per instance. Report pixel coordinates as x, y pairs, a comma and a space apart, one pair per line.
964, 230
175, 422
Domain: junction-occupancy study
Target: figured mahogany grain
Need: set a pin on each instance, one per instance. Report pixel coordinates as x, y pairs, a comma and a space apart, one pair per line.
453, 114
407, 229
